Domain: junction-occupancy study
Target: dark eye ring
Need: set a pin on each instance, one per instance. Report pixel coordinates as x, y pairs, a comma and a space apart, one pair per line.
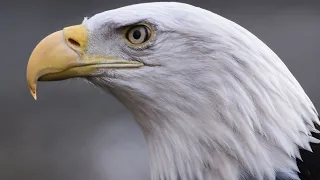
138, 34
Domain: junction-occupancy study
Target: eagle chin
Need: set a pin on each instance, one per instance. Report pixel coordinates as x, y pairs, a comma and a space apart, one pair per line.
213, 101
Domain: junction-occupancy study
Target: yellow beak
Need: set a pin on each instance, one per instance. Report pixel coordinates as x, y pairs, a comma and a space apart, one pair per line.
61, 55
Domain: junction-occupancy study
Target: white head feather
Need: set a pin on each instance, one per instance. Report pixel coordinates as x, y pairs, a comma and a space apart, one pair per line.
214, 102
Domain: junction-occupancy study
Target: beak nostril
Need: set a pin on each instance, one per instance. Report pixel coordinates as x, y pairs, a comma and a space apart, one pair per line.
74, 42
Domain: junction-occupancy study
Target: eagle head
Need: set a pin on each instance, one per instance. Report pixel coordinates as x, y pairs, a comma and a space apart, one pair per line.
214, 102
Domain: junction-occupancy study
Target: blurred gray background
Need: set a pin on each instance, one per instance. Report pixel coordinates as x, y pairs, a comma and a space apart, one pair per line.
76, 132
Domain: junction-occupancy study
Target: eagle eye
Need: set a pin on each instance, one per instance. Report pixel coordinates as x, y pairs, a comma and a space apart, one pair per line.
138, 34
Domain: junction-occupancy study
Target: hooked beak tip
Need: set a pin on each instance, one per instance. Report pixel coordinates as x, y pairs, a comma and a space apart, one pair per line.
33, 91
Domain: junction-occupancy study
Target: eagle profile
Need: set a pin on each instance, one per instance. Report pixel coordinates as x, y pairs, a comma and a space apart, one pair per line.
213, 101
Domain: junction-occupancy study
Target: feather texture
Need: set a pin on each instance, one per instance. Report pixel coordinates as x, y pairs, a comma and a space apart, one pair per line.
216, 104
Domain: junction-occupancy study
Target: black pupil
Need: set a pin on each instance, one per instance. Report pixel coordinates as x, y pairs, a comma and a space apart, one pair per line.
136, 34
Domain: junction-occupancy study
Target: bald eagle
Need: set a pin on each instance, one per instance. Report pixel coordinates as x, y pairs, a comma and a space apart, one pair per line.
213, 101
